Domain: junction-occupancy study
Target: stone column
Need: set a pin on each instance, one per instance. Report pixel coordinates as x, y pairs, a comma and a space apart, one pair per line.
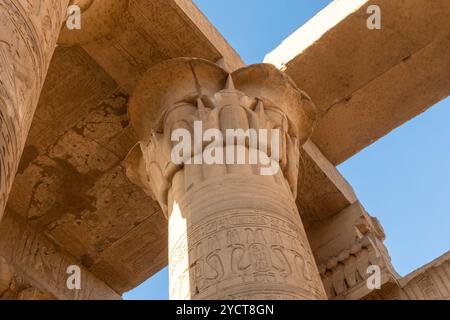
234, 229
28, 34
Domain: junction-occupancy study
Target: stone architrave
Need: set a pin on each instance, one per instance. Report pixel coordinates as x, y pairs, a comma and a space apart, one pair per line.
28, 35
233, 233
99, 18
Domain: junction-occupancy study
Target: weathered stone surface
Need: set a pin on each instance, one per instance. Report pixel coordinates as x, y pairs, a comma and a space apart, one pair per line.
364, 82
78, 138
126, 43
73, 138
42, 265
71, 192
322, 191
6, 277
99, 19
430, 282
234, 233
74, 86
344, 246
75, 191
28, 34
15, 287
71, 185
136, 256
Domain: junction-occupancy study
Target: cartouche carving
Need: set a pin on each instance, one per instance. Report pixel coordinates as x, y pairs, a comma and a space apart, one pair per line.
99, 18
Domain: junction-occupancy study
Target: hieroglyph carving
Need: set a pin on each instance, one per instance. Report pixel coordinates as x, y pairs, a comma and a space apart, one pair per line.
28, 33
233, 233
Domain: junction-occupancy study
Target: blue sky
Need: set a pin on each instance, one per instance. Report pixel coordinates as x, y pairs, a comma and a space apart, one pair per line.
402, 179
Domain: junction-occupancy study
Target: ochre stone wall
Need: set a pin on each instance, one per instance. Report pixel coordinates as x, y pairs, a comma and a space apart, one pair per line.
28, 34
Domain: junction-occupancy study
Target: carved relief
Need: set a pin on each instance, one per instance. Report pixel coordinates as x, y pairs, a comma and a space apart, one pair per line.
235, 256
28, 32
234, 251
430, 282
427, 287
41, 263
13, 286
218, 104
233, 233
99, 18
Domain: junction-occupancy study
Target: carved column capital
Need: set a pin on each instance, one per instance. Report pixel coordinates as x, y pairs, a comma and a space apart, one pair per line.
6, 276
182, 92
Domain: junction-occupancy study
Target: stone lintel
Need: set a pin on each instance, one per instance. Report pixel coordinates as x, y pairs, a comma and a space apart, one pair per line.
135, 257
230, 59
143, 248
143, 251
44, 265
431, 281
364, 82
28, 34
214, 207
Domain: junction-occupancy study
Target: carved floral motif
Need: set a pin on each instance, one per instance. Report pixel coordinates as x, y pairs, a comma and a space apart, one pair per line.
233, 233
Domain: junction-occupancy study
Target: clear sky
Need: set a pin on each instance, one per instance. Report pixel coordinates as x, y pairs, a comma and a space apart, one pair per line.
403, 179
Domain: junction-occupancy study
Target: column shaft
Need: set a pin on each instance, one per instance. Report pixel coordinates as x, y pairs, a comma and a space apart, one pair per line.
237, 236
28, 34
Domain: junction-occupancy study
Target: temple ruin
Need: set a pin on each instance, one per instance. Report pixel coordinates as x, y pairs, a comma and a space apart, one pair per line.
86, 177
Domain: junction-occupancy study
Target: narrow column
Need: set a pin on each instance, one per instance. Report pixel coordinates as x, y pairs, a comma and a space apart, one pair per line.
28, 34
234, 228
